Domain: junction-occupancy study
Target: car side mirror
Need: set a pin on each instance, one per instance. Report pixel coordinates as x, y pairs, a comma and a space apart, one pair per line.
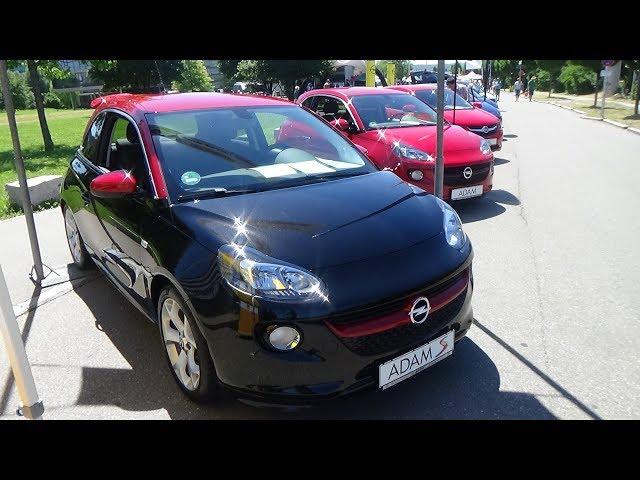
477, 104
341, 124
116, 184
362, 149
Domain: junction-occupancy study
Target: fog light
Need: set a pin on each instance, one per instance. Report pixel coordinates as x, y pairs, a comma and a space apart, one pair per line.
416, 175
284, 338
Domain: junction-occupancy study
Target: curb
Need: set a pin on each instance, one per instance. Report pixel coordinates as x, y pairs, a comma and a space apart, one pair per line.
617, 124
583, 115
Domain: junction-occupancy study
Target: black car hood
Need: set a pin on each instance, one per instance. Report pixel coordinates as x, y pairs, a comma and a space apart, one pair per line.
318, 225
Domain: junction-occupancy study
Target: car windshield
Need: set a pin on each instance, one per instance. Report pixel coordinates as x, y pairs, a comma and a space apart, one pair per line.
392, 111
242, 150
430, 98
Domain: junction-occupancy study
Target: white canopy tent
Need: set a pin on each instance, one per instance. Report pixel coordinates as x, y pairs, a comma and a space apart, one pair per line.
470, 76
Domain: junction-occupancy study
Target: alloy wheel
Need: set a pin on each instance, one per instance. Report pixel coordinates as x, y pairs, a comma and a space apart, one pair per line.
180, 344
73, 236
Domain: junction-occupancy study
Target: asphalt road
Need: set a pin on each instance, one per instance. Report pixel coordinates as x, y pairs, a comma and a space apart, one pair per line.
557, 306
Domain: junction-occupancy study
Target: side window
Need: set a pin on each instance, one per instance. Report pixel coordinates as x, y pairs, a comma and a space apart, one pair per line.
92, 140
125, 151
309, 103
331, 109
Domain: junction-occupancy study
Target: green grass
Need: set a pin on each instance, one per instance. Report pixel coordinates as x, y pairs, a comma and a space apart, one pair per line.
66, 127
619, 110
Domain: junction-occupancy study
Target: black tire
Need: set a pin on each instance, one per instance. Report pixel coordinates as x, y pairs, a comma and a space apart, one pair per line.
80, 255
208, 387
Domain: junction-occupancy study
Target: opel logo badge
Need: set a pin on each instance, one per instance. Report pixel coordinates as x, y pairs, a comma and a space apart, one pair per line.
485, 129
420, 310
467, 172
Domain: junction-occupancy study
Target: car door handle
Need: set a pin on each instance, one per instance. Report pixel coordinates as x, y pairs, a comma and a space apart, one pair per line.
86, 197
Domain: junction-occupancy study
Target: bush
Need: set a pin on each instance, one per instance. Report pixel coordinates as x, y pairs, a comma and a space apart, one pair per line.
20, 92
577, 79
66, 99
544, 80
51, 100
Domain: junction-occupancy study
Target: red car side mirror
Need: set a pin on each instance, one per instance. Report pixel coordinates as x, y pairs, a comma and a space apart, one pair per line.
341, 124
116, 184
477, 104
362, 149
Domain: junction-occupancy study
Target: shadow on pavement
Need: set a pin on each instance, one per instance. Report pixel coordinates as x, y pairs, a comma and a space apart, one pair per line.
500, 161
466, 385
510, 135
487, 206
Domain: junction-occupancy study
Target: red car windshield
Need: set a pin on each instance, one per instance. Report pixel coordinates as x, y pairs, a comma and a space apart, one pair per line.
392, 111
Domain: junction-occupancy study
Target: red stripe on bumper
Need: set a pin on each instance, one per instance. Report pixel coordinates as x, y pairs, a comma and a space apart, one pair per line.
401, 317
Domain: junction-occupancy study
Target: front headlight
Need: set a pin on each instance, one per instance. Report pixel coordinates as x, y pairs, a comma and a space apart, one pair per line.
485, 148
452, 226
252, 273
410, 153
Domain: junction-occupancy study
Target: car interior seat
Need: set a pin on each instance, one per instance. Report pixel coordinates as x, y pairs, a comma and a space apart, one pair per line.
127, 154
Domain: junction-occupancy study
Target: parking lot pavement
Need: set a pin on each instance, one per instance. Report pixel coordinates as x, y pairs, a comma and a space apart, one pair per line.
556, 302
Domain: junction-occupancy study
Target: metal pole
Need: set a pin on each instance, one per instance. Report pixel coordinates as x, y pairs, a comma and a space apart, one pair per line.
604, 90
30, 405
22, 177
439, 171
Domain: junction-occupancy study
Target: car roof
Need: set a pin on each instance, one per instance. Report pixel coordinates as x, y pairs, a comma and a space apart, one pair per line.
416, 87
136, 104
348, 92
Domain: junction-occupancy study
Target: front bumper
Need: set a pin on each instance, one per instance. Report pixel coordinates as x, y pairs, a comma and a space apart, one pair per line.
325, 365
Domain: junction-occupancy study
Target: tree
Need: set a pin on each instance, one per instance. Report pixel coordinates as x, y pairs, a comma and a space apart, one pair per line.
135, 75
634, 66
287, 72
37, 93
595, 66
403, 67
506, 71
194, 77
50, 69
551, 66
21, 94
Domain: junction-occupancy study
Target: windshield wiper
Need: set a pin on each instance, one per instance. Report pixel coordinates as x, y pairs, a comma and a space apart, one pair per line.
216, 192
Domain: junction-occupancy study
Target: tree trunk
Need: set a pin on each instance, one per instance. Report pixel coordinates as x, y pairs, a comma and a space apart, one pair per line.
35, 86
636, 83
595, 101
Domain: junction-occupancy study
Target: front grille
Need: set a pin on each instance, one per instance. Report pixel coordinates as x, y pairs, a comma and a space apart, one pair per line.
478, 130
385, 308
410, 335
455, 175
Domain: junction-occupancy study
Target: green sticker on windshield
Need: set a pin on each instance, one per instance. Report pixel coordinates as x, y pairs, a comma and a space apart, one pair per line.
190, 178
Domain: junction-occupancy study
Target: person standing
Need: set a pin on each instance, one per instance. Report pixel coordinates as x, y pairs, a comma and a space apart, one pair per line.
327, 84
531, 86
517, 87
496, 88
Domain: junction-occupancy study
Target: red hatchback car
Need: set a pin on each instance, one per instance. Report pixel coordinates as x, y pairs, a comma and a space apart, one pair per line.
398, 133
466, 115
